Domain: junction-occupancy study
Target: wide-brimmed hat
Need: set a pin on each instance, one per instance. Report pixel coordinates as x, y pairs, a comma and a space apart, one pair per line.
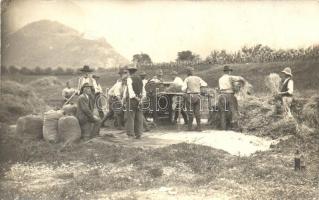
86, 68
287, 71
174, 73
189, 70
86, 85
227, 69
122, 69
132, 67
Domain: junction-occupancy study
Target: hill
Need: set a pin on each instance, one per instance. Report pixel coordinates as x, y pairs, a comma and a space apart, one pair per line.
51, 44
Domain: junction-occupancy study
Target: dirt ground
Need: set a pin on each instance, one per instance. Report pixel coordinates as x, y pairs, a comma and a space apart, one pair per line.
114, 167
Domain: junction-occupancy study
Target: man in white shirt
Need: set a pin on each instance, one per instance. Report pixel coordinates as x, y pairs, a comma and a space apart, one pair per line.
155, 83
286, 92
191, 86
178, 82
86, 78
115, 100
227, 101
134, 94
67, 92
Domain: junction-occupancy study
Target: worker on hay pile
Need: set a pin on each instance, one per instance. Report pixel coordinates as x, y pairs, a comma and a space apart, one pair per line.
179, 103
90, 124
192, 86
227, 101
67, 92
98, 96
115, 100
286, 92
86, 77
134, 94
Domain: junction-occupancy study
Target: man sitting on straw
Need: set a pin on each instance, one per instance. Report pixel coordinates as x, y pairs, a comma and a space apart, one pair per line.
227, 101
286, 92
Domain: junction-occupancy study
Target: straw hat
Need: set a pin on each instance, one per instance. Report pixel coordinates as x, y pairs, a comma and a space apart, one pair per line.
86, 68
227, 69
287, 71
86, 85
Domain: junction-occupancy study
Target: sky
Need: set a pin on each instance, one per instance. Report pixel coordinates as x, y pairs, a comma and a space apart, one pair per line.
163, 28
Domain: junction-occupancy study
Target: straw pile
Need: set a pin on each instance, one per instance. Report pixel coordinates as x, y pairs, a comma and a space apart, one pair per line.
46, 82
18, 100
272, 82
310, 112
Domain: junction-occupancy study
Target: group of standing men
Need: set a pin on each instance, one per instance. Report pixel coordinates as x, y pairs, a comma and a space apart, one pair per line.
128, 94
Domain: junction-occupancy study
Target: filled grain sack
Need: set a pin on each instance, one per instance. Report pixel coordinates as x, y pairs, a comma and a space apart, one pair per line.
30, 126
69, 129
69, 109
50, 125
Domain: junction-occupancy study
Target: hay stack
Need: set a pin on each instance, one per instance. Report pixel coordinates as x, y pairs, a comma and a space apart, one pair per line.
273, 82
18, 100
46, 82
310, 112
30, 126
242, 89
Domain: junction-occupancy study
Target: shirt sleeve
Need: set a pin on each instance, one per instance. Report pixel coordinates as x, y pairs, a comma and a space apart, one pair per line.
184, 86
236, 78
79, 84
131, 92
202, 83
290, 86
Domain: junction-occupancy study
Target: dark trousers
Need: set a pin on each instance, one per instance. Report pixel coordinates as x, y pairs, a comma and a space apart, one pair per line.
180, 105
154, 106
134, 122
193, 109
228, 109
90, 129
116, 111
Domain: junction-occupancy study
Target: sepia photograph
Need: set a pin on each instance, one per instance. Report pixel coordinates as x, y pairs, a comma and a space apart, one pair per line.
159, 100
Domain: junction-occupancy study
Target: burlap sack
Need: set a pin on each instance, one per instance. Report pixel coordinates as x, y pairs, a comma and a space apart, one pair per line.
50, 125
69, 109
30, 126
69, 129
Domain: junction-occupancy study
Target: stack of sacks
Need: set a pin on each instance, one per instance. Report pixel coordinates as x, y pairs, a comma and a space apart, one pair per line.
50, 125
69, 109
69, 129
30, 126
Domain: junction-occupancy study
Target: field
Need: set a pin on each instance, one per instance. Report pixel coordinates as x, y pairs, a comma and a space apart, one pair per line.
104, 168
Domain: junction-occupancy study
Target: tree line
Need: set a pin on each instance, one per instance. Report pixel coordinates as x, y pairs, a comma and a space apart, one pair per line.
255, 54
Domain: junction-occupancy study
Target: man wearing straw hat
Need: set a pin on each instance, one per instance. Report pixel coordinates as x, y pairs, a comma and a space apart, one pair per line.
227, 102
86, 78
286, 92
90, 124
133, 96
